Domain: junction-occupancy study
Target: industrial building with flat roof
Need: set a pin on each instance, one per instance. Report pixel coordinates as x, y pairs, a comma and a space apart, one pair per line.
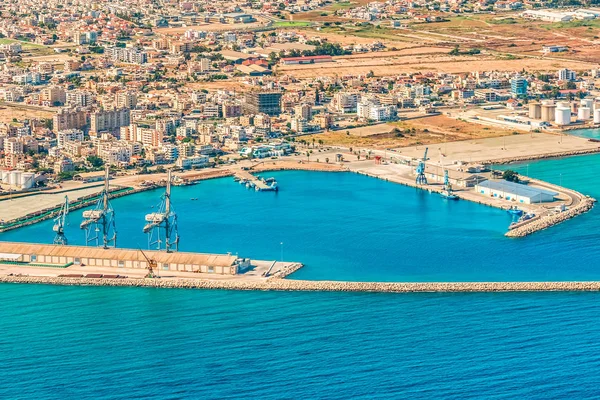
512, 191
65, 256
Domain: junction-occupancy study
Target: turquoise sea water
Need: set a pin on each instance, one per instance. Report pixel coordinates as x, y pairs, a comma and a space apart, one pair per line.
101, 343
124, 343
587, 133
345, 226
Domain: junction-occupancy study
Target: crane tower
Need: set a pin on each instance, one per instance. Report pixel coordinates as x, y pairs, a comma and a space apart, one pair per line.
161, 226
59, 224
421, 178
99, 223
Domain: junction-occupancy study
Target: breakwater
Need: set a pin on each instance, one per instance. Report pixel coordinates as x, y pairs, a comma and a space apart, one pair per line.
547, 221
315, 286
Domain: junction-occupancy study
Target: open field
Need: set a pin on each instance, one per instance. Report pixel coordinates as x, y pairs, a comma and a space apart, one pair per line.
428, 63
426, 130
212, 27
7, 113
25, 45
291, 24
507, 147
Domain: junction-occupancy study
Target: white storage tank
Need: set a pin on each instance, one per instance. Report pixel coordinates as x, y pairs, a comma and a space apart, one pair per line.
584, 113
548, 112
589, 103
4, 176
563, 116
597, 116
27, 180
563, 104
15, 178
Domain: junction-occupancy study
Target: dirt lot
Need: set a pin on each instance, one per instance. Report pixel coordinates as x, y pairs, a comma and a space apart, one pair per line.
8, 113
427, 63
427, 130
207, 27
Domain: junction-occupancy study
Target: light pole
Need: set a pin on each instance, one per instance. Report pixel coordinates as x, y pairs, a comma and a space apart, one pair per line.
561, 179
281, 245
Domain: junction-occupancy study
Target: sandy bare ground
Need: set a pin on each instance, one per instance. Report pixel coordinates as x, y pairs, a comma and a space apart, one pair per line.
449, 64
8, 113
513, 146
208, 27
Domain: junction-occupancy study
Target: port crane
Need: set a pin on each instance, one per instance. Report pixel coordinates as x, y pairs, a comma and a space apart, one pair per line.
447, 185
163, 223
152, 265
100, 221
421, 178
59, 224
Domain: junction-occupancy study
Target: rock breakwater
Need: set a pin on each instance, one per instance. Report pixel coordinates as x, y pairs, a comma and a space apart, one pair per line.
315, 286
586, 204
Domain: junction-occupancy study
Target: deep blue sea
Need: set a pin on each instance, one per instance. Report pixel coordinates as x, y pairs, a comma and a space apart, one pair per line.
104, 343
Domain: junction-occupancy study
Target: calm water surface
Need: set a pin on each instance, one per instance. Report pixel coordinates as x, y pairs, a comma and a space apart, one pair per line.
345, 226
104, 343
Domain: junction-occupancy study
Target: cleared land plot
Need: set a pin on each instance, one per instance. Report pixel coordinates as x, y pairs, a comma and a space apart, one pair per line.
208, 27
7, 114
426, 130
428, 63
506, 147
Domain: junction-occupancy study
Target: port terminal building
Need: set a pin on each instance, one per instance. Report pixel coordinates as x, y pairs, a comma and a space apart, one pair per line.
42, 255
516, 192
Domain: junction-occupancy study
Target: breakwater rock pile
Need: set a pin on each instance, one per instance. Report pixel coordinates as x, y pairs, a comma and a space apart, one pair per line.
315, 286
586, 204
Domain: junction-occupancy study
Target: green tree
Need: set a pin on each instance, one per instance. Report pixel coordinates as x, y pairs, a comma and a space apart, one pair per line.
95, 161
510, 176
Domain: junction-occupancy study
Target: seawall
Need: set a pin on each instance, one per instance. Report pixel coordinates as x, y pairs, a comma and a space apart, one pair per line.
316, 286
549, 220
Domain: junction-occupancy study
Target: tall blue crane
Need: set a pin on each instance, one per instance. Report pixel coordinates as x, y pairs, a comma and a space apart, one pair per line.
59, 224
165, 221
99, 222
421, 178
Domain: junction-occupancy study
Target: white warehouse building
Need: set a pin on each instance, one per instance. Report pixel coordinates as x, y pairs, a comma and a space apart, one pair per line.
515, 192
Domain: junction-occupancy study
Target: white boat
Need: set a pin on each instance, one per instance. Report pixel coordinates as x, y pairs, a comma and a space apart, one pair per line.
448, 195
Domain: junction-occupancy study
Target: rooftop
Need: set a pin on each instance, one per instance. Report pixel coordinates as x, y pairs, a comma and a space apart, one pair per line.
117, 254
516, 188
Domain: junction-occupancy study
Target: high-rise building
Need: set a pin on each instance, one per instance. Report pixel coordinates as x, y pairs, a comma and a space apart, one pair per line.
66, 118
263, 102
566, 75
518, 86
127, 99
113, 120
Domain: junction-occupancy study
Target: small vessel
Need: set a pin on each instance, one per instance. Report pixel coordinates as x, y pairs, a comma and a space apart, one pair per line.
526, 217
447, 194
514, 211
236, 179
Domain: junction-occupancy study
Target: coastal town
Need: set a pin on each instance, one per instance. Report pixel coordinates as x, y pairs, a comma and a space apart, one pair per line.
100, 100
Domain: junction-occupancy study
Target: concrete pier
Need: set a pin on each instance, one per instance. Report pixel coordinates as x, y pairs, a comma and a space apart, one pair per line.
248, 177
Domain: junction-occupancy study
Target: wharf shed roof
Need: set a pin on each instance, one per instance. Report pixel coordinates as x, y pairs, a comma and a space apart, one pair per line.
516, 188
118, 254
